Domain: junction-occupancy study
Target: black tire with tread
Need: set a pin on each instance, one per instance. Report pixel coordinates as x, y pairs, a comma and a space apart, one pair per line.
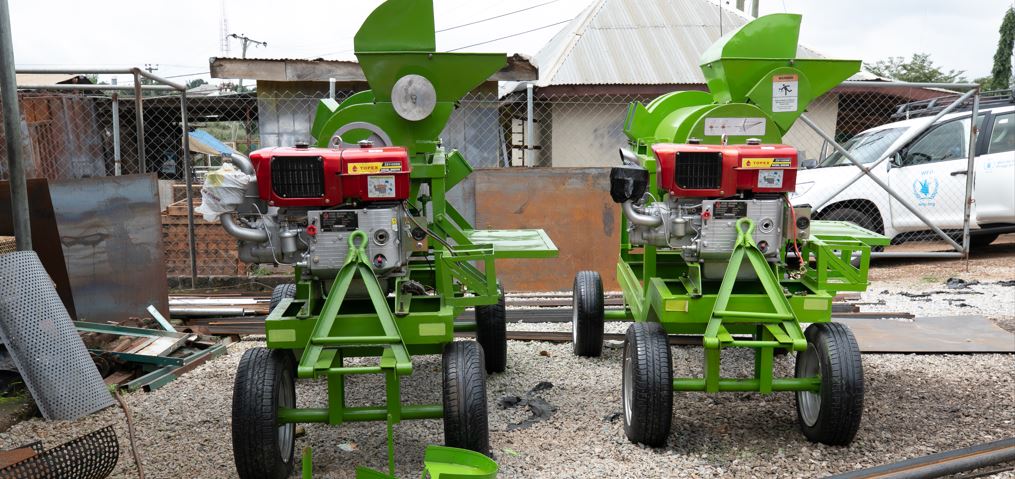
464, 395
587, 319
647, 349
280, 292
854, 216
259, 378
842, 386
491, 334
978, 242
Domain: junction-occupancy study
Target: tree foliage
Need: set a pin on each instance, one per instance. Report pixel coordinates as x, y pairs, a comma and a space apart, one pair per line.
196, 83
920, 68
1000, 75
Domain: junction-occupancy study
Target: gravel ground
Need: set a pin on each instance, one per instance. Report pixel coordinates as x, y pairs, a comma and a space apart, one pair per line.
915, 405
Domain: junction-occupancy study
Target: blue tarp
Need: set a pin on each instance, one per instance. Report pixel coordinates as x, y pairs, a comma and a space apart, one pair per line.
203, 142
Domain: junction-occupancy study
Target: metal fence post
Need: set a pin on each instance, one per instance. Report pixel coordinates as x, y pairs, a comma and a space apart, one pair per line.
189, 179
970, 171
117, 159
139, 120
12, 126
529, 130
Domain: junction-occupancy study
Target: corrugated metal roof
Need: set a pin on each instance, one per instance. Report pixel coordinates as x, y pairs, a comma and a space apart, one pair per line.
637, 42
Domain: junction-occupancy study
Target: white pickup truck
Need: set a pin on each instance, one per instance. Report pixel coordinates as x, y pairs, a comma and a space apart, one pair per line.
929, 172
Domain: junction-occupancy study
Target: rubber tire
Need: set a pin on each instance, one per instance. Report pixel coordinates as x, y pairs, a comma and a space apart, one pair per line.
978, 242
842, 387
491, 334
587, 317
853, 216
260, 377
280, 292
648, 366
464, 395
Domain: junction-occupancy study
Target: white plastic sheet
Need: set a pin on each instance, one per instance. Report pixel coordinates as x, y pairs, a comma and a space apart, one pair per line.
223, 191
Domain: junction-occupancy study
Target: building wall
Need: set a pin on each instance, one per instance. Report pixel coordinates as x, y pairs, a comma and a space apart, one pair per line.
588, 133
824, 111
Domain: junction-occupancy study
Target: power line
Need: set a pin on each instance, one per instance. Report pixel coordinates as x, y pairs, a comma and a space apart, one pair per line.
496, 17
466, 25
510, 36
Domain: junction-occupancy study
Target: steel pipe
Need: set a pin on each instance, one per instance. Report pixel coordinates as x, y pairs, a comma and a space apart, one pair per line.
941, 464
117, 159
240, 232
94, 87
970, 172
898, 144
242, 162
12, 126
880, 183
638, 218
893, 84
188, 177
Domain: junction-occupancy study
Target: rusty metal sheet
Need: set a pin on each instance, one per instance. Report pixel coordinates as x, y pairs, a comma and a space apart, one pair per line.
572, 205
111, 233
45, 234
948, 334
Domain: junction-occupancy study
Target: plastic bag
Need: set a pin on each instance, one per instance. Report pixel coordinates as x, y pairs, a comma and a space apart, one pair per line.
222, 192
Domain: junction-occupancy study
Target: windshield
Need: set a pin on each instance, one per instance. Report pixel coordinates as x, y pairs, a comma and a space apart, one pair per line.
865, 147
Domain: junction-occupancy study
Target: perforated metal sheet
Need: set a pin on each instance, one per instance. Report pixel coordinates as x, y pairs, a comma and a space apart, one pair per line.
43, 342
92, 456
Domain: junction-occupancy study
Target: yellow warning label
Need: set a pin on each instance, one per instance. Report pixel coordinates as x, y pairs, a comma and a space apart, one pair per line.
364, 168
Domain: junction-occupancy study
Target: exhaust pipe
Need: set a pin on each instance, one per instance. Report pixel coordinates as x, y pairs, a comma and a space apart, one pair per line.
241, 233
639, 218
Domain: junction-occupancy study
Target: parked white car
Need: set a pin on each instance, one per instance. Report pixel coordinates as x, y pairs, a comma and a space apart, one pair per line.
929, 172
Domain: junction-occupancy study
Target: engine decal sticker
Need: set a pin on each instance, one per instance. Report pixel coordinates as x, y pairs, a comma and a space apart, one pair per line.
770, 179
785, 90
391, 167
766, 163
364, 168
381, 186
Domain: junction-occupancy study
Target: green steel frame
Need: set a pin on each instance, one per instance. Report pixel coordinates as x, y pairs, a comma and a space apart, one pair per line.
764, 314
323, 323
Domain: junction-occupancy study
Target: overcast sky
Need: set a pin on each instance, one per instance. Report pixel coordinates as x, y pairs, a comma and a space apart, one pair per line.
181, 35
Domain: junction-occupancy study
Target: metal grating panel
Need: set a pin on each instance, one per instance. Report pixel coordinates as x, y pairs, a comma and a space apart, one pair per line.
297, 176
44, 344
699, 171
92, 456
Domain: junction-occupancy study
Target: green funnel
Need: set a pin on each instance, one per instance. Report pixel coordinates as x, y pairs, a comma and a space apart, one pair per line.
757, 64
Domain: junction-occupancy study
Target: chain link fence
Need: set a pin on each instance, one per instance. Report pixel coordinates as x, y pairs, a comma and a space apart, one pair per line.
74, 134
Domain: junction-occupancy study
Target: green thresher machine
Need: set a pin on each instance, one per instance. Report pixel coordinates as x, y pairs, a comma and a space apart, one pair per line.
384, 264
708, 223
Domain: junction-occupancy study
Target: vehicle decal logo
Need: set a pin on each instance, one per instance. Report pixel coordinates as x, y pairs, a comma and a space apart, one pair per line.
925, 190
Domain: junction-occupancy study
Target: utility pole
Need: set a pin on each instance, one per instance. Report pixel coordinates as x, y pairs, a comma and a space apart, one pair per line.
246, 41
12, 126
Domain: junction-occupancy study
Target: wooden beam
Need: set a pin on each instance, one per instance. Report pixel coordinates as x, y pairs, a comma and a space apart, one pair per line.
293, 69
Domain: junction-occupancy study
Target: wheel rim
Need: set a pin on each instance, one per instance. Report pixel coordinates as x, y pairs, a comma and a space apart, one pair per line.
286, 399
574, 318
809, 402
628, 384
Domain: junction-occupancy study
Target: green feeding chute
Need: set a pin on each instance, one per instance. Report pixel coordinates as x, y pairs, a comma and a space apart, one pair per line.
752, 72
413, 88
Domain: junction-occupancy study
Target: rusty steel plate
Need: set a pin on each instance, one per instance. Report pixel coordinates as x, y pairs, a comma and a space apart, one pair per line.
946, 334
111, 233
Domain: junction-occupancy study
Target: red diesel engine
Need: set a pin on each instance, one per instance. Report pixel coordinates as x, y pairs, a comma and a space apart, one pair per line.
690, 170
705, 190
316, 177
